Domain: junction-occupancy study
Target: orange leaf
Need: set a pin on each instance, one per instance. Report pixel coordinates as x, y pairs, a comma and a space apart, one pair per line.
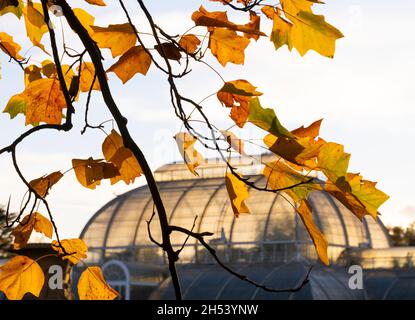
96, 2
42, 185
122, 158
189, 43
87, 76
19, 276
135, 60
9, 46
75, 248
92, 286
90, 172
24, 229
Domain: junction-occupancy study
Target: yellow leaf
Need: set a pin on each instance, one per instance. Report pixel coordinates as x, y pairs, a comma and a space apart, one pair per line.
9, 47
19, 276
234, 142
192, 158
136, 59
85, 19
189, 43
87, 76
44, 102
35, 23
24, 229
238, 193
320, 242
227, 46
96, 2
292, 7
358, 195
280, 176
92, 286
11, 6
90, 172
43, 184
75, 248
333, 161
17, 104
123, 159
117, 37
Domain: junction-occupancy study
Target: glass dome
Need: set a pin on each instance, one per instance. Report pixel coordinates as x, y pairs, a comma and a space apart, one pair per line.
272, 232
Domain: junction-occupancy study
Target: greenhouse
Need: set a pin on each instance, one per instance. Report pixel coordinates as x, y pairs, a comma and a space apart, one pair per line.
270, 245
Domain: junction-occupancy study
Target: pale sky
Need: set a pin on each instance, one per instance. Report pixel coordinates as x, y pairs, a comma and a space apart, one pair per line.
365, 94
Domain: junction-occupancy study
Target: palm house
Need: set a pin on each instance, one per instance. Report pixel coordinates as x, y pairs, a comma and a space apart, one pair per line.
270, 245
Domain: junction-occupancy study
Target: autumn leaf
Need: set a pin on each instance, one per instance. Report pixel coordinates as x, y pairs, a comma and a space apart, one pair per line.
312, 131
135, 60
75, 249
16, 105
192, 158
32, 73
92, 285
320, 242
306, 31
358, 195
227, 46
85, 19
43, 184
254, 26
189, 43
280, 176
41, 101
116, 37
35, 23
233, 141
333, 161
87, 77
8, 46
238, 193
236, 95
90, 172
23, 231
11, 6
123, 159
96, 2
19, 276
266, 119
168, 50
219, 19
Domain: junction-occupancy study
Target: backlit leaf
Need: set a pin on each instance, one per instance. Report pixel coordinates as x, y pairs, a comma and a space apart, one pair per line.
227, 46
236, 95
35, 23
11, 6
43, 184
168, 50
333, 161
96, 2
10, 47
75, 248
87, 77
92, 285
19, 276
85, 19
90, 172
192, 158
189, 43
320, 242
116, 37
24, 229
266, 119
238, 193
234, 142
123, 159
135, 60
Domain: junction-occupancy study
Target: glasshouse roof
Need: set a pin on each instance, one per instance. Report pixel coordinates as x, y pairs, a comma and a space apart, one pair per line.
120, 227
